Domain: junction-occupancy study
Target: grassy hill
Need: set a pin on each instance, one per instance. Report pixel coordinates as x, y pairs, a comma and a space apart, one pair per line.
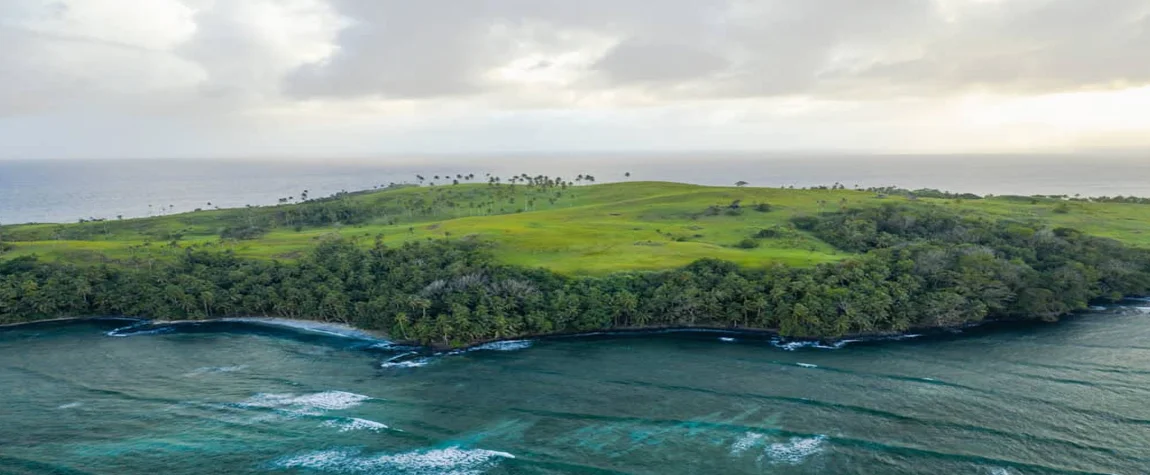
578, 230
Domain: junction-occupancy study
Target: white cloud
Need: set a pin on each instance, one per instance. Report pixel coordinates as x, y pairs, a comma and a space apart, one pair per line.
301, 76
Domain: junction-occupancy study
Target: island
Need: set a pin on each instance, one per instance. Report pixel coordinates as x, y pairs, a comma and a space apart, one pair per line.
458, 260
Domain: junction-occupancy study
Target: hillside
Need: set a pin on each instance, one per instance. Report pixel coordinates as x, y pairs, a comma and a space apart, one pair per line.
577, 230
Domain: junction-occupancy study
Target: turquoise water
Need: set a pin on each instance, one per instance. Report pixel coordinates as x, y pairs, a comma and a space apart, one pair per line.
235, 397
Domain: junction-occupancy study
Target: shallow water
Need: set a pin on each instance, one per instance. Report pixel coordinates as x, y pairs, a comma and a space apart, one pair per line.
238, 397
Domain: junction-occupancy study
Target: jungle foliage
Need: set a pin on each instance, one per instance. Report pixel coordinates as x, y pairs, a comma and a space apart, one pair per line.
916, 267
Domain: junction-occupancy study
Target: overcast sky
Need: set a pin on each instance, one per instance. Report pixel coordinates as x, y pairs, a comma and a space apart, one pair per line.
321, 78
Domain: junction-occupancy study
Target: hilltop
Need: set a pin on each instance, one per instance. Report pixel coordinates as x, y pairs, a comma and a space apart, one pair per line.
551, 223
465, 263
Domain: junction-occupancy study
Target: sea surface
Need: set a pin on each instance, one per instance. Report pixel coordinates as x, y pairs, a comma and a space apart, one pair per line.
117, 397
67, 190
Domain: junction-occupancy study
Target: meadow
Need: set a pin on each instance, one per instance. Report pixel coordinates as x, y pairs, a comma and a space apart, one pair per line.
584, 229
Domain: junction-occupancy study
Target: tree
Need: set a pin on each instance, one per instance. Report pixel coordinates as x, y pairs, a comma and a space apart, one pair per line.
741, 183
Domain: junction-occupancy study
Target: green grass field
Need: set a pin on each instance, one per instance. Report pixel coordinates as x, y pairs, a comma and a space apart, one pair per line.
594, 229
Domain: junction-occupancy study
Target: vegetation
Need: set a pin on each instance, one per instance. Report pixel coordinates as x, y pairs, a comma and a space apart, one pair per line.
441, 265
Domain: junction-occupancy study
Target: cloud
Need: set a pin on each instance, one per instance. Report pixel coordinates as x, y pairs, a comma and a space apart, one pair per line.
291, 50
258, 68
738, 48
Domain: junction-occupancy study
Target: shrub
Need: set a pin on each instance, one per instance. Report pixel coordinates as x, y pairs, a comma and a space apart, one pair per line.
763, 207
768, 233
805, 223
1062, 208
242, 232
747, 243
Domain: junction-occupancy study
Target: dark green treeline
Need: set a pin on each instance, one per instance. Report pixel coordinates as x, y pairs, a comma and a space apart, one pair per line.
917, 267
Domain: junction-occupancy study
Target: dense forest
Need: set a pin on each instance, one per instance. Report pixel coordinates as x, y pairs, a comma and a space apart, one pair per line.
915, 266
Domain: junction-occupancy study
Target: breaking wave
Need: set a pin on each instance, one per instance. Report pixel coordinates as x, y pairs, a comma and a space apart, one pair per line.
451, 461
746, 442
329, 329
307, 404
140, 328
794, 451
508, 345
354, 424
410, 359
795, 345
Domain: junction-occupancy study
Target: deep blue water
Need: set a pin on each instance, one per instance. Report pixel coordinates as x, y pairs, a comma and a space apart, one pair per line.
232, 397
66, 190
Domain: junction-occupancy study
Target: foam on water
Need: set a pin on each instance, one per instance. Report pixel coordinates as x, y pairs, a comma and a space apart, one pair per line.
134, 330
354, 424
451, 461
794, 451
416, 363
508, 345
71, 405
307, 404
331, 329
726, 339
406, 360
795, 345
807, 365
744, 443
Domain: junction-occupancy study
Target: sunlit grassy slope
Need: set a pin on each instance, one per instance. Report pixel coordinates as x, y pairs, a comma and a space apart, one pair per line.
591, 230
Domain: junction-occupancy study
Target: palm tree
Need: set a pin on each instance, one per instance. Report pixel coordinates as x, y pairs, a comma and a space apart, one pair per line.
402, 320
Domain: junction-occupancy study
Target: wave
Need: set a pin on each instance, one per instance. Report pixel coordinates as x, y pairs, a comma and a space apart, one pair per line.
506, 345
308, 404
136, 329
726, 339
798, 344
794, 451
410, 359
807, 365
300, 328
746, 442
354, 424
71, 405
412, 363
451, 460
415, 359
330, 329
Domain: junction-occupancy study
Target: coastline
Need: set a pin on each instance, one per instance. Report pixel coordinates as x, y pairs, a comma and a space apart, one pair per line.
765, 334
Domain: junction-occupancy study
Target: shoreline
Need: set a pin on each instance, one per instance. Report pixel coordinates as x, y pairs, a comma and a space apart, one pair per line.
341, 330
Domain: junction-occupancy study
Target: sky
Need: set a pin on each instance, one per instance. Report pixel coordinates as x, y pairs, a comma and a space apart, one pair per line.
327, 78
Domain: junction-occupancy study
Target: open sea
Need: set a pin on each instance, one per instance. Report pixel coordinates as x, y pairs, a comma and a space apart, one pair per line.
108, 397
67, 190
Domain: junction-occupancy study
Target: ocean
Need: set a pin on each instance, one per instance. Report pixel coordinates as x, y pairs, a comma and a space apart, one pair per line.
67, 190
113, 397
